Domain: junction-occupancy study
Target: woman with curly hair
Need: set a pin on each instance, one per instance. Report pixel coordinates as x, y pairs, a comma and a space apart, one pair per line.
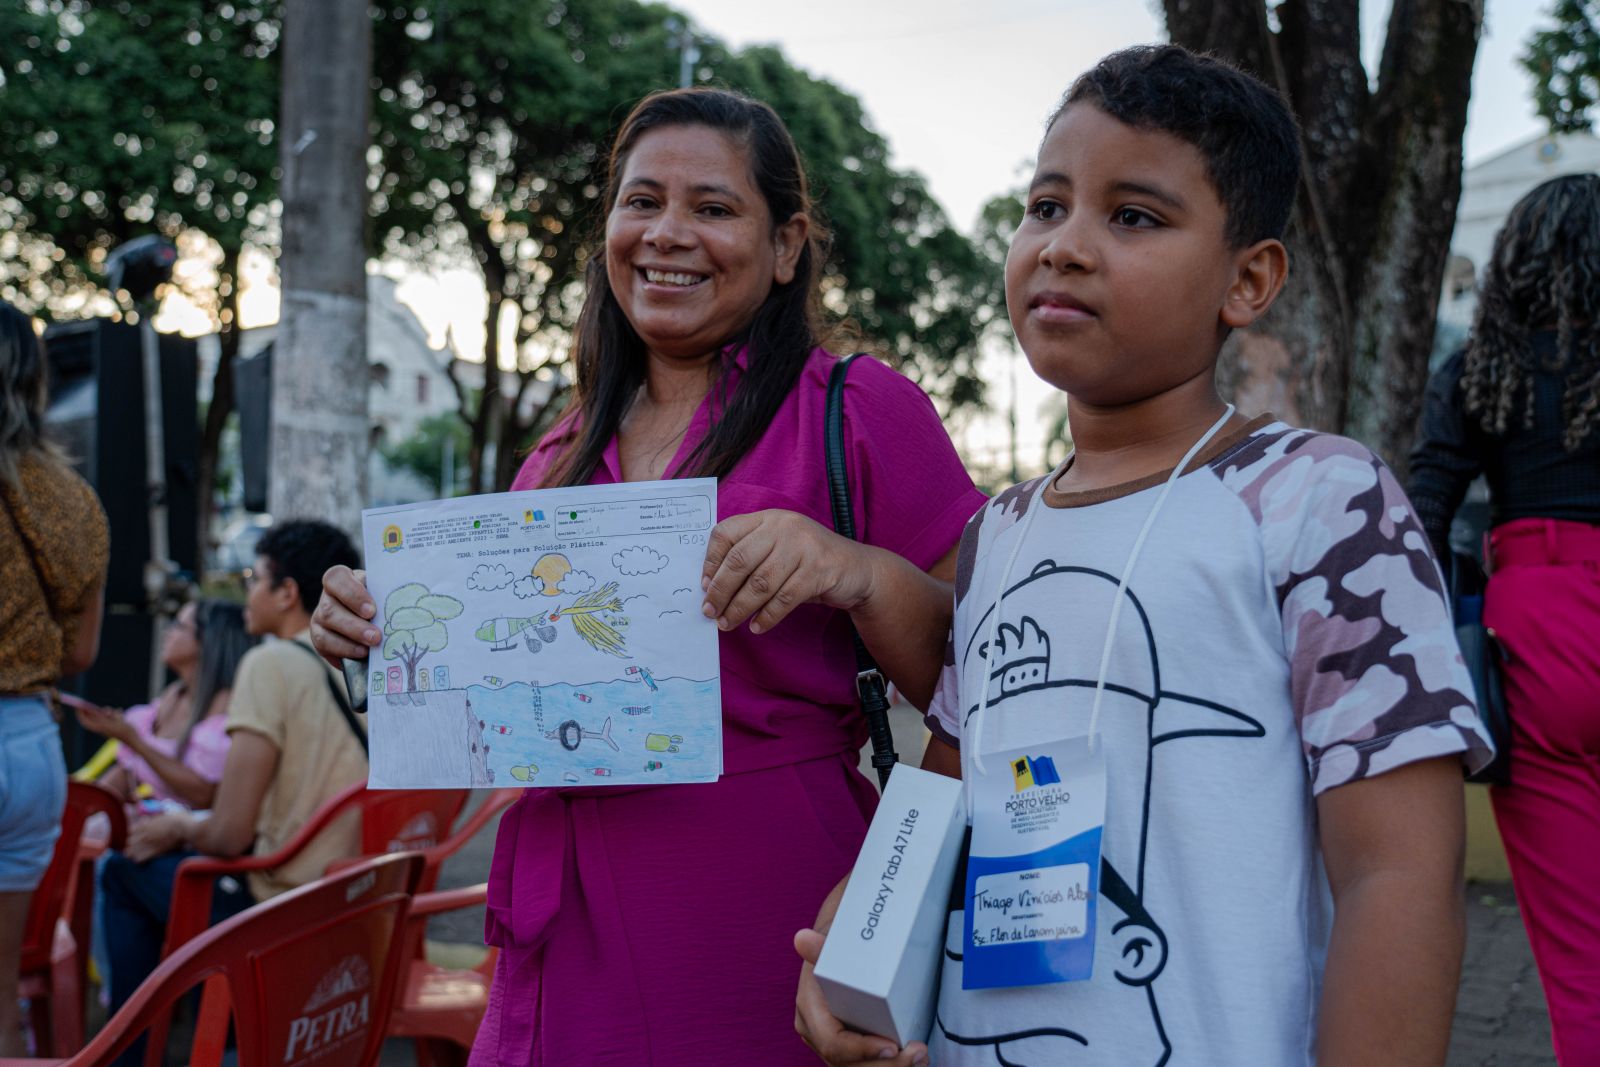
1520, 405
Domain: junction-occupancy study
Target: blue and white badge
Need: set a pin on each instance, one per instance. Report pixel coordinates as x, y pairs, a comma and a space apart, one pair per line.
1033, 872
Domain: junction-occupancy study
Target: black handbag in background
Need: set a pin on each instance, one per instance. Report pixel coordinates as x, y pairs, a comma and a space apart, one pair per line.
870, 686
1484, 657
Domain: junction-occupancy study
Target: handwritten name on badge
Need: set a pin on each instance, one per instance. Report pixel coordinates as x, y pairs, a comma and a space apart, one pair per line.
1038, 905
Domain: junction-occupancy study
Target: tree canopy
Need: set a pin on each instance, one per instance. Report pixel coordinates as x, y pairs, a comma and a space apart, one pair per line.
1564, 60
494, 119
1346, 346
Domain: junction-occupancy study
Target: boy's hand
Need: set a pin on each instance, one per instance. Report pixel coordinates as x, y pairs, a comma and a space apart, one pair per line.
826, 1035
760, 567
341, 626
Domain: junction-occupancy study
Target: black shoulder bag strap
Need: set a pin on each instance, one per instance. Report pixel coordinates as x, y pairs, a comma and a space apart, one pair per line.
338, 697
870, 686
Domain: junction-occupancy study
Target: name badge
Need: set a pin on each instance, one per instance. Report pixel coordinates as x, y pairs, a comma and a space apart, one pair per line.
1033, 873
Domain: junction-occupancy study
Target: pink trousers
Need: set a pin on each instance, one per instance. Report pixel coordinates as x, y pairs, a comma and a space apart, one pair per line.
1543, 602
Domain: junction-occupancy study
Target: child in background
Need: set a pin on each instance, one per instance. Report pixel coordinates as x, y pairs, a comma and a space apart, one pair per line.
1244, 619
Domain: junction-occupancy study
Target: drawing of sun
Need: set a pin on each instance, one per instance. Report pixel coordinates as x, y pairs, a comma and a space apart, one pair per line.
550, 569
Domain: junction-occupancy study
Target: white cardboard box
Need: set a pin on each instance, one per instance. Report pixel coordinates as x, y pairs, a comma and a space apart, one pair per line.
879, 968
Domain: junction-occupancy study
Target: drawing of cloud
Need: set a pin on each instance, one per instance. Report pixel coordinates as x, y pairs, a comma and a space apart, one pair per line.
531, 586
639, 559
488, 577
576, 582
664, 614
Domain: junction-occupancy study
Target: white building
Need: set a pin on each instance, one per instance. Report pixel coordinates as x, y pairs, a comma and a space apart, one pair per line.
1488, 192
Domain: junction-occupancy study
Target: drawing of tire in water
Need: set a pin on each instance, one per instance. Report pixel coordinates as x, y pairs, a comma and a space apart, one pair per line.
571, 734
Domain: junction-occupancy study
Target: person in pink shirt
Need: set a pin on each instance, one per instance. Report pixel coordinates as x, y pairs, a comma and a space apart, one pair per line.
173, 749
655, 925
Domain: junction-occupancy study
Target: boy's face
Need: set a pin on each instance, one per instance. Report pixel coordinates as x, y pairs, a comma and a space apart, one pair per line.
1120, 278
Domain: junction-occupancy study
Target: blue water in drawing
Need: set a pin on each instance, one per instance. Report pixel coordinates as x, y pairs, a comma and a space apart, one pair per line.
678, 727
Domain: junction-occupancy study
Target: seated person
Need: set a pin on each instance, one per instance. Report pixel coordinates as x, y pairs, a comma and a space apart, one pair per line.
172, 750
294, 747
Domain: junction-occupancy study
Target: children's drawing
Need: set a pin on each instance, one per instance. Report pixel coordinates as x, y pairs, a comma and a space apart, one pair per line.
600, 632
571, 734
547, 605
413, 626
502, 632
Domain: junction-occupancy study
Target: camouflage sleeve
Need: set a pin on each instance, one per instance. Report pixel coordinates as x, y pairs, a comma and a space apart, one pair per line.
1376, 674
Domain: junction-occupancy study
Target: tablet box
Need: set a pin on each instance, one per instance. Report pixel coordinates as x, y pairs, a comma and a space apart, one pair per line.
879, 968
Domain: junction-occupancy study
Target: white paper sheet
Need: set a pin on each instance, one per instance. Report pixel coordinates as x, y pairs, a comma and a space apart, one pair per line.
544, 638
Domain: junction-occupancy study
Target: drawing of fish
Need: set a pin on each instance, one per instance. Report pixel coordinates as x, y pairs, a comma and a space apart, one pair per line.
636, 709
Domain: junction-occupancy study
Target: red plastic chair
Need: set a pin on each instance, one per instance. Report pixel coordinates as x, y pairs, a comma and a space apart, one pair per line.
441, 1007
392, 820
55, 939
309, 976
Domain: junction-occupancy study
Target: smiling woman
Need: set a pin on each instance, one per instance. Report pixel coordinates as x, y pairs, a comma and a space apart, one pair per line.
656, 925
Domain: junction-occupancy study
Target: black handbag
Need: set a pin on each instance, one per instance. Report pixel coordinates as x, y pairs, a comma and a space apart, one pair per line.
871, 688
1485, 658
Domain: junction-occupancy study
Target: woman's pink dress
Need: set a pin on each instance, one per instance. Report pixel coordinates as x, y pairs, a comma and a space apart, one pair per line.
655, 925
206, 754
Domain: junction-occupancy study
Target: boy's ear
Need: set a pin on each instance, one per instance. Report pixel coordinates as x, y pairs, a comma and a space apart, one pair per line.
1261, 270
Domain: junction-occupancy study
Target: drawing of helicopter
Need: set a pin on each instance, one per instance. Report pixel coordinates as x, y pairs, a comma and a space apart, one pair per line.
502, 632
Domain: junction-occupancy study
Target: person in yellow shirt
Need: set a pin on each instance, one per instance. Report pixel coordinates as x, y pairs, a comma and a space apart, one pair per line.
295, 745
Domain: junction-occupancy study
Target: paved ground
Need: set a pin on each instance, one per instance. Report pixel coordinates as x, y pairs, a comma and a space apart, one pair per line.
1500, 1012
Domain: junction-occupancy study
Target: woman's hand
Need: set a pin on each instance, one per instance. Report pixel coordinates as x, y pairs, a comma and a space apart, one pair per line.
760, 567
102, 721
341, 626
817, 1026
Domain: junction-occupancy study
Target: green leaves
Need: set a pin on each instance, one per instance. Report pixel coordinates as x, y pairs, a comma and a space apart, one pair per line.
1564, 61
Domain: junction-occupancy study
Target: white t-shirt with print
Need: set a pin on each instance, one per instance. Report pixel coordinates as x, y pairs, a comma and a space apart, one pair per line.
1284, 632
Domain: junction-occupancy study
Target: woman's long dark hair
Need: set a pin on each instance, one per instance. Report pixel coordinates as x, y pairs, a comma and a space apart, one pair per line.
219, 627
609, 356
22, 395
1544, 273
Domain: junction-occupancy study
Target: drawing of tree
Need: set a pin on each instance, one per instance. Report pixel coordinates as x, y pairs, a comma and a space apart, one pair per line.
413, 625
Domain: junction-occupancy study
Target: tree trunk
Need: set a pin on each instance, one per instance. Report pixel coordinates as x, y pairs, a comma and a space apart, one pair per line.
1346, 346
320, 378
222, 399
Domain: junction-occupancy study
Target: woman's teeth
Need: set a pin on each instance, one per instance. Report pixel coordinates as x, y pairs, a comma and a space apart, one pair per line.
661, 277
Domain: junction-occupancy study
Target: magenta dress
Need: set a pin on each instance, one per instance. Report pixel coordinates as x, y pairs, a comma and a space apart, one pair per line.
655, 925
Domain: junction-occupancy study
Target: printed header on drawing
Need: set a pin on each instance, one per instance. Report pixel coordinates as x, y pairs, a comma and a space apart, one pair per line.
545, 638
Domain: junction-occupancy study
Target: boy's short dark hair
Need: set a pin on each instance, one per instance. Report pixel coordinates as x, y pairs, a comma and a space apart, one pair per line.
303, 549
1243, 128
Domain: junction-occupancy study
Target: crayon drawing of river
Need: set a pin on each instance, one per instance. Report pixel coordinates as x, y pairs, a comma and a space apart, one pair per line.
604, 733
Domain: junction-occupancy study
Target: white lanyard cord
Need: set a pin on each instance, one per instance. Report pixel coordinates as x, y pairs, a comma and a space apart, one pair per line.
975, 746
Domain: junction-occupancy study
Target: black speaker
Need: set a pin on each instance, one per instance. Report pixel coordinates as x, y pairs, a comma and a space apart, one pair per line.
97, 412
252, 393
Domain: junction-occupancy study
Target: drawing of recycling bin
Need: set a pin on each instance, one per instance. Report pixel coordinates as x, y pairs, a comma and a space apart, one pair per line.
397, 682
377, 681
441, 677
